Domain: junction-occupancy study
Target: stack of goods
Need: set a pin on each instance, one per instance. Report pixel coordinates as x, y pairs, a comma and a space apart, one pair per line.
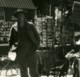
49, 31
44, 35
5, 31
45, 25
57, 32
40, 24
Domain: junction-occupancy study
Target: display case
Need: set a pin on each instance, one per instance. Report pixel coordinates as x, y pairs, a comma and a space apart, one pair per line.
4, 37
45, 27
5, 32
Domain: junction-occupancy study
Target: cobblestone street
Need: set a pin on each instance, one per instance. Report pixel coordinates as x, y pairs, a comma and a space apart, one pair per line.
9, 74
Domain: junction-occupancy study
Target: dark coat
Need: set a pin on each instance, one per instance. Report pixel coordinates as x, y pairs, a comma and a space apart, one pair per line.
28, 39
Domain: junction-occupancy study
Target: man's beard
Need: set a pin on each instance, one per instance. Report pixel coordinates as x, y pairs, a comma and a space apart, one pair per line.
21, 24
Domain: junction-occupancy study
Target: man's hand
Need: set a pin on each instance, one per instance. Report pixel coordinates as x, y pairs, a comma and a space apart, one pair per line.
13, 48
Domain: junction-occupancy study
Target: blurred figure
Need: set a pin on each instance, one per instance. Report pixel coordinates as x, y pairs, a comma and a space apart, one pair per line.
28, 43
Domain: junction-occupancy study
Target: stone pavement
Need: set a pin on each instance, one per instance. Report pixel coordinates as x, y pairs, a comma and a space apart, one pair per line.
9, 74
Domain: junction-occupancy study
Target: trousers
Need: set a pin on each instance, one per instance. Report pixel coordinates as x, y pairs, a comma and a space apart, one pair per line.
28, 61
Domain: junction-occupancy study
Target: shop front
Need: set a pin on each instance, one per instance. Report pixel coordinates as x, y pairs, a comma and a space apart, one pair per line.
7, 9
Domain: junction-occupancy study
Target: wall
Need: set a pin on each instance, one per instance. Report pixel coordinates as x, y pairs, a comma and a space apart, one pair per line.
2, 14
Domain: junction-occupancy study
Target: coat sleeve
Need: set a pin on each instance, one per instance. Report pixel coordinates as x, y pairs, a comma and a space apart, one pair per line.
33, 34
36, 35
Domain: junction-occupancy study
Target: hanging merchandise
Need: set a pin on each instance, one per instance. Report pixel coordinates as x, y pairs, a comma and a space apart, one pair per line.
45, 28
49, 31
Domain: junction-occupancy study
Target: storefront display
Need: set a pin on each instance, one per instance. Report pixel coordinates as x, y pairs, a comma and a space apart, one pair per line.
5, 32
45, 27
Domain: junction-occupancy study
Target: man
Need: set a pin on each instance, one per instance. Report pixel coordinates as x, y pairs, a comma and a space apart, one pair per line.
28, 43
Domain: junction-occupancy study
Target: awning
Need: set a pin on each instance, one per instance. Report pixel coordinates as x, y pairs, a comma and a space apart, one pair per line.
26, 4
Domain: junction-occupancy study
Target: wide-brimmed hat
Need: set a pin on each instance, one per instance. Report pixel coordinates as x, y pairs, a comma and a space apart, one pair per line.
20, 11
